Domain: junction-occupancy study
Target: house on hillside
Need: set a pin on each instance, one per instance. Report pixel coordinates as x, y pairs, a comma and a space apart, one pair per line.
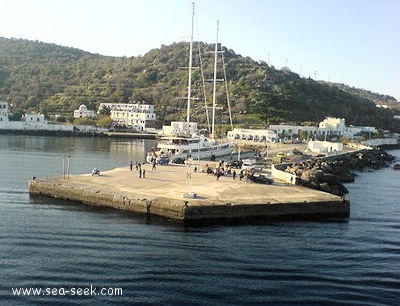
83, 112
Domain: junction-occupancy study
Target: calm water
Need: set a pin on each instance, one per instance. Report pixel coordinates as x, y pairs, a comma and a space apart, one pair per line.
46, 243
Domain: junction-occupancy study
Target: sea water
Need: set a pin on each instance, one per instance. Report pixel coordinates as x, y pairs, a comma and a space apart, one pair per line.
79, 255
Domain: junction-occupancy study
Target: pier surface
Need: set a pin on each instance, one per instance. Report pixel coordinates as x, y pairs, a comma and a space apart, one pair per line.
180, 193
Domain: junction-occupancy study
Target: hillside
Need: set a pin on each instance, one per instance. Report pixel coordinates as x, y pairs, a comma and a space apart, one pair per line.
51, 79
367, 94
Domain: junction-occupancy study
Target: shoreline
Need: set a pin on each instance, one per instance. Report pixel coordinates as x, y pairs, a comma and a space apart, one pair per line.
77, 133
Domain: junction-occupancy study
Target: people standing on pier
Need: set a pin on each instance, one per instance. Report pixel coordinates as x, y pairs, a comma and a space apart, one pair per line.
139, 169
131, 165
234, 174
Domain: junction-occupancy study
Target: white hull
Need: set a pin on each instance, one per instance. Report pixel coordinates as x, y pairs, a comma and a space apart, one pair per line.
198, 148
214, 151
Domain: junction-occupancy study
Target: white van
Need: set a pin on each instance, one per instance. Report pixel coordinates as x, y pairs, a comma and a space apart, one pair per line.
248, 163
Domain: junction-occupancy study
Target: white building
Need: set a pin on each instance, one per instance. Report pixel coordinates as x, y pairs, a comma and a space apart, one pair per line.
329, 127
134, 115
289, 131
29, 122
35, 119
325, 146
83, 112
250, 134
356, 131
4, 111
332, 123
179, 127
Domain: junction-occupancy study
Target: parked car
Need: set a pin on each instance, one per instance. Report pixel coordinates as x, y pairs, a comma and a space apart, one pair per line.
248, 163
236, 164
261, 179
179, 160
163, 160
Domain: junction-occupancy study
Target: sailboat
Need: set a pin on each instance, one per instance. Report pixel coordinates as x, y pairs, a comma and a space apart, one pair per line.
190, 144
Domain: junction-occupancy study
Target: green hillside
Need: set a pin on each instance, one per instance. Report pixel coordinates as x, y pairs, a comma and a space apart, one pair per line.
51, 79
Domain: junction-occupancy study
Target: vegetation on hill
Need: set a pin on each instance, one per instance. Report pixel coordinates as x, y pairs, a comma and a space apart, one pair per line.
55, 80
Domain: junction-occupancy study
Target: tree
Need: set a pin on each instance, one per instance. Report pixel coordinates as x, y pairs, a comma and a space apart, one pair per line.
105, 111
265, 107
16, 115
104, 121
85, 121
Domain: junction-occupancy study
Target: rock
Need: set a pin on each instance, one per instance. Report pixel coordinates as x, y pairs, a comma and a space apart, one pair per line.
329, 173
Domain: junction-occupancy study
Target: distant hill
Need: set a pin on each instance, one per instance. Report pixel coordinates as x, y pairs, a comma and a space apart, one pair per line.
36, 76
379, 99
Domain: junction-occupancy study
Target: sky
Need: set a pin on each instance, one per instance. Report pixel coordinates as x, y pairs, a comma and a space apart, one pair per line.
355, 42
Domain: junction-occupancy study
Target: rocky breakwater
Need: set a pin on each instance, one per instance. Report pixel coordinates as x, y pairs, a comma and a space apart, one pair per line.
329, 173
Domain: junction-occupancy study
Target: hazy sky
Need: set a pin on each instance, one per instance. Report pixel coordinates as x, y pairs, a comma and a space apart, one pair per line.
356, 42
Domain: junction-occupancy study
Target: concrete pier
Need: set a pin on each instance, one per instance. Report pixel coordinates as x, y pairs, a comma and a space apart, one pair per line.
180, 193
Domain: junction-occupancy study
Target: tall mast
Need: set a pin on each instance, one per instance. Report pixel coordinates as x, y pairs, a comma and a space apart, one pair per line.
214, 82
190, 71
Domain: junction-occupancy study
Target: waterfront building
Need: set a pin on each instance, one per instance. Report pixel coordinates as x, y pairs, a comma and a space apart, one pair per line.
29, 122
83, 112
250, 134
34, 119
4, 111
325, 146
357, 131
293, 131
329, 128
134, 115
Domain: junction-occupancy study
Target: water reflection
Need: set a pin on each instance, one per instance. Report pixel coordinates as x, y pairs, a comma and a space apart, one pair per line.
44, 156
